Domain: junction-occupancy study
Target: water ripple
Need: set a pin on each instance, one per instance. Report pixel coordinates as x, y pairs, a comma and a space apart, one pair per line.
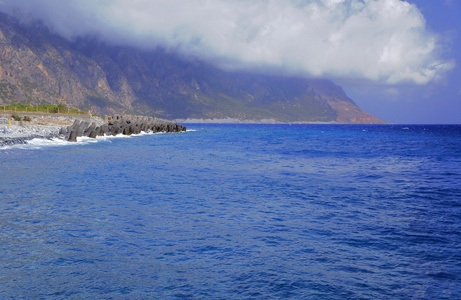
237, 212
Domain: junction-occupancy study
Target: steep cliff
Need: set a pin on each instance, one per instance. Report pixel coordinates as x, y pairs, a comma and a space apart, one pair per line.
37, 66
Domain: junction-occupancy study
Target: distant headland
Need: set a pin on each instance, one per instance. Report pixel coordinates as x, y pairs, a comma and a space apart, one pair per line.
38, 67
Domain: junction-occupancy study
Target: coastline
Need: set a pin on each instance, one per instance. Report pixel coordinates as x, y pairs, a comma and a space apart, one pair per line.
22, 134
238, 121
262, 121
40, 126
68, 127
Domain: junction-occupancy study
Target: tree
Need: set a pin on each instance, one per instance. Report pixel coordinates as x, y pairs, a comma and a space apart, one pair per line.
62, 108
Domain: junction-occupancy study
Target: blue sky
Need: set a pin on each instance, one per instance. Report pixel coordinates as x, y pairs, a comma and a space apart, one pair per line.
399, 60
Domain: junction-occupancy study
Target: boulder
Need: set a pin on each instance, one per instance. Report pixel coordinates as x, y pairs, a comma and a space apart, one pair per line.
72, 136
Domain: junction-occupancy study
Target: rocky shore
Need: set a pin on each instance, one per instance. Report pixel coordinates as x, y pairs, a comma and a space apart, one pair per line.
49, 128
21, 135
119, 124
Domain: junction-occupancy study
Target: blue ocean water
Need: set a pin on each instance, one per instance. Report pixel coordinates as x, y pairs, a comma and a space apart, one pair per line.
236, 212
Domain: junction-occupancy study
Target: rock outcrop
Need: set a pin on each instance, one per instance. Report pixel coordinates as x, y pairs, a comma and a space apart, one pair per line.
119, 124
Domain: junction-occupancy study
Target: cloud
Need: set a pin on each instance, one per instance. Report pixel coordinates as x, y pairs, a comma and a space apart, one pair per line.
378, 40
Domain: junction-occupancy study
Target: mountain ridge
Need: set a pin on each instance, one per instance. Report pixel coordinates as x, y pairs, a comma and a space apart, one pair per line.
37, 66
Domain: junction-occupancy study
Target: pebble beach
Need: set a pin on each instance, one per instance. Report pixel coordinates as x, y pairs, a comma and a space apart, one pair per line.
44, 126
20, 135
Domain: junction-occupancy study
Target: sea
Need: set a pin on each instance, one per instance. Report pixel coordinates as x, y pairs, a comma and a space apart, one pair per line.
235, 211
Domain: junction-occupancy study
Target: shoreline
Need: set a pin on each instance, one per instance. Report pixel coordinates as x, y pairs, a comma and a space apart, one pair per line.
17, 135
262, 121
40, 126
67, 128
238, 121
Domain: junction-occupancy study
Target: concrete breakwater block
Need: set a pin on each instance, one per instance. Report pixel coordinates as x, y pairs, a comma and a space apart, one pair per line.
117, 124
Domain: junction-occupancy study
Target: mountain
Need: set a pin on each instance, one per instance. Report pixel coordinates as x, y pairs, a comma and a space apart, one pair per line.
37, 67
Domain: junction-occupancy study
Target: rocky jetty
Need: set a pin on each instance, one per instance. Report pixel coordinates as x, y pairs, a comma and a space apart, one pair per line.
119, 124
45, 126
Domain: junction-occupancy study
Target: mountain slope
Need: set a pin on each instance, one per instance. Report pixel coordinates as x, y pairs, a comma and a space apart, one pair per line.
37, 67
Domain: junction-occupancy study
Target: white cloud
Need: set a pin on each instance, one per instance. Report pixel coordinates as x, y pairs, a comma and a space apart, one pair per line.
379, 40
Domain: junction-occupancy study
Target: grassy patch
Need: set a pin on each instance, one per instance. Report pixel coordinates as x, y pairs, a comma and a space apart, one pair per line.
45, 108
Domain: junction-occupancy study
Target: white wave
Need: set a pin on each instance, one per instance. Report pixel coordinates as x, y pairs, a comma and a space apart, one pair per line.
39, 143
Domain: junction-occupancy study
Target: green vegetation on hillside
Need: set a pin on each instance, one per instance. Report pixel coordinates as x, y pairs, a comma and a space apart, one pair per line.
7, 90
45, 108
